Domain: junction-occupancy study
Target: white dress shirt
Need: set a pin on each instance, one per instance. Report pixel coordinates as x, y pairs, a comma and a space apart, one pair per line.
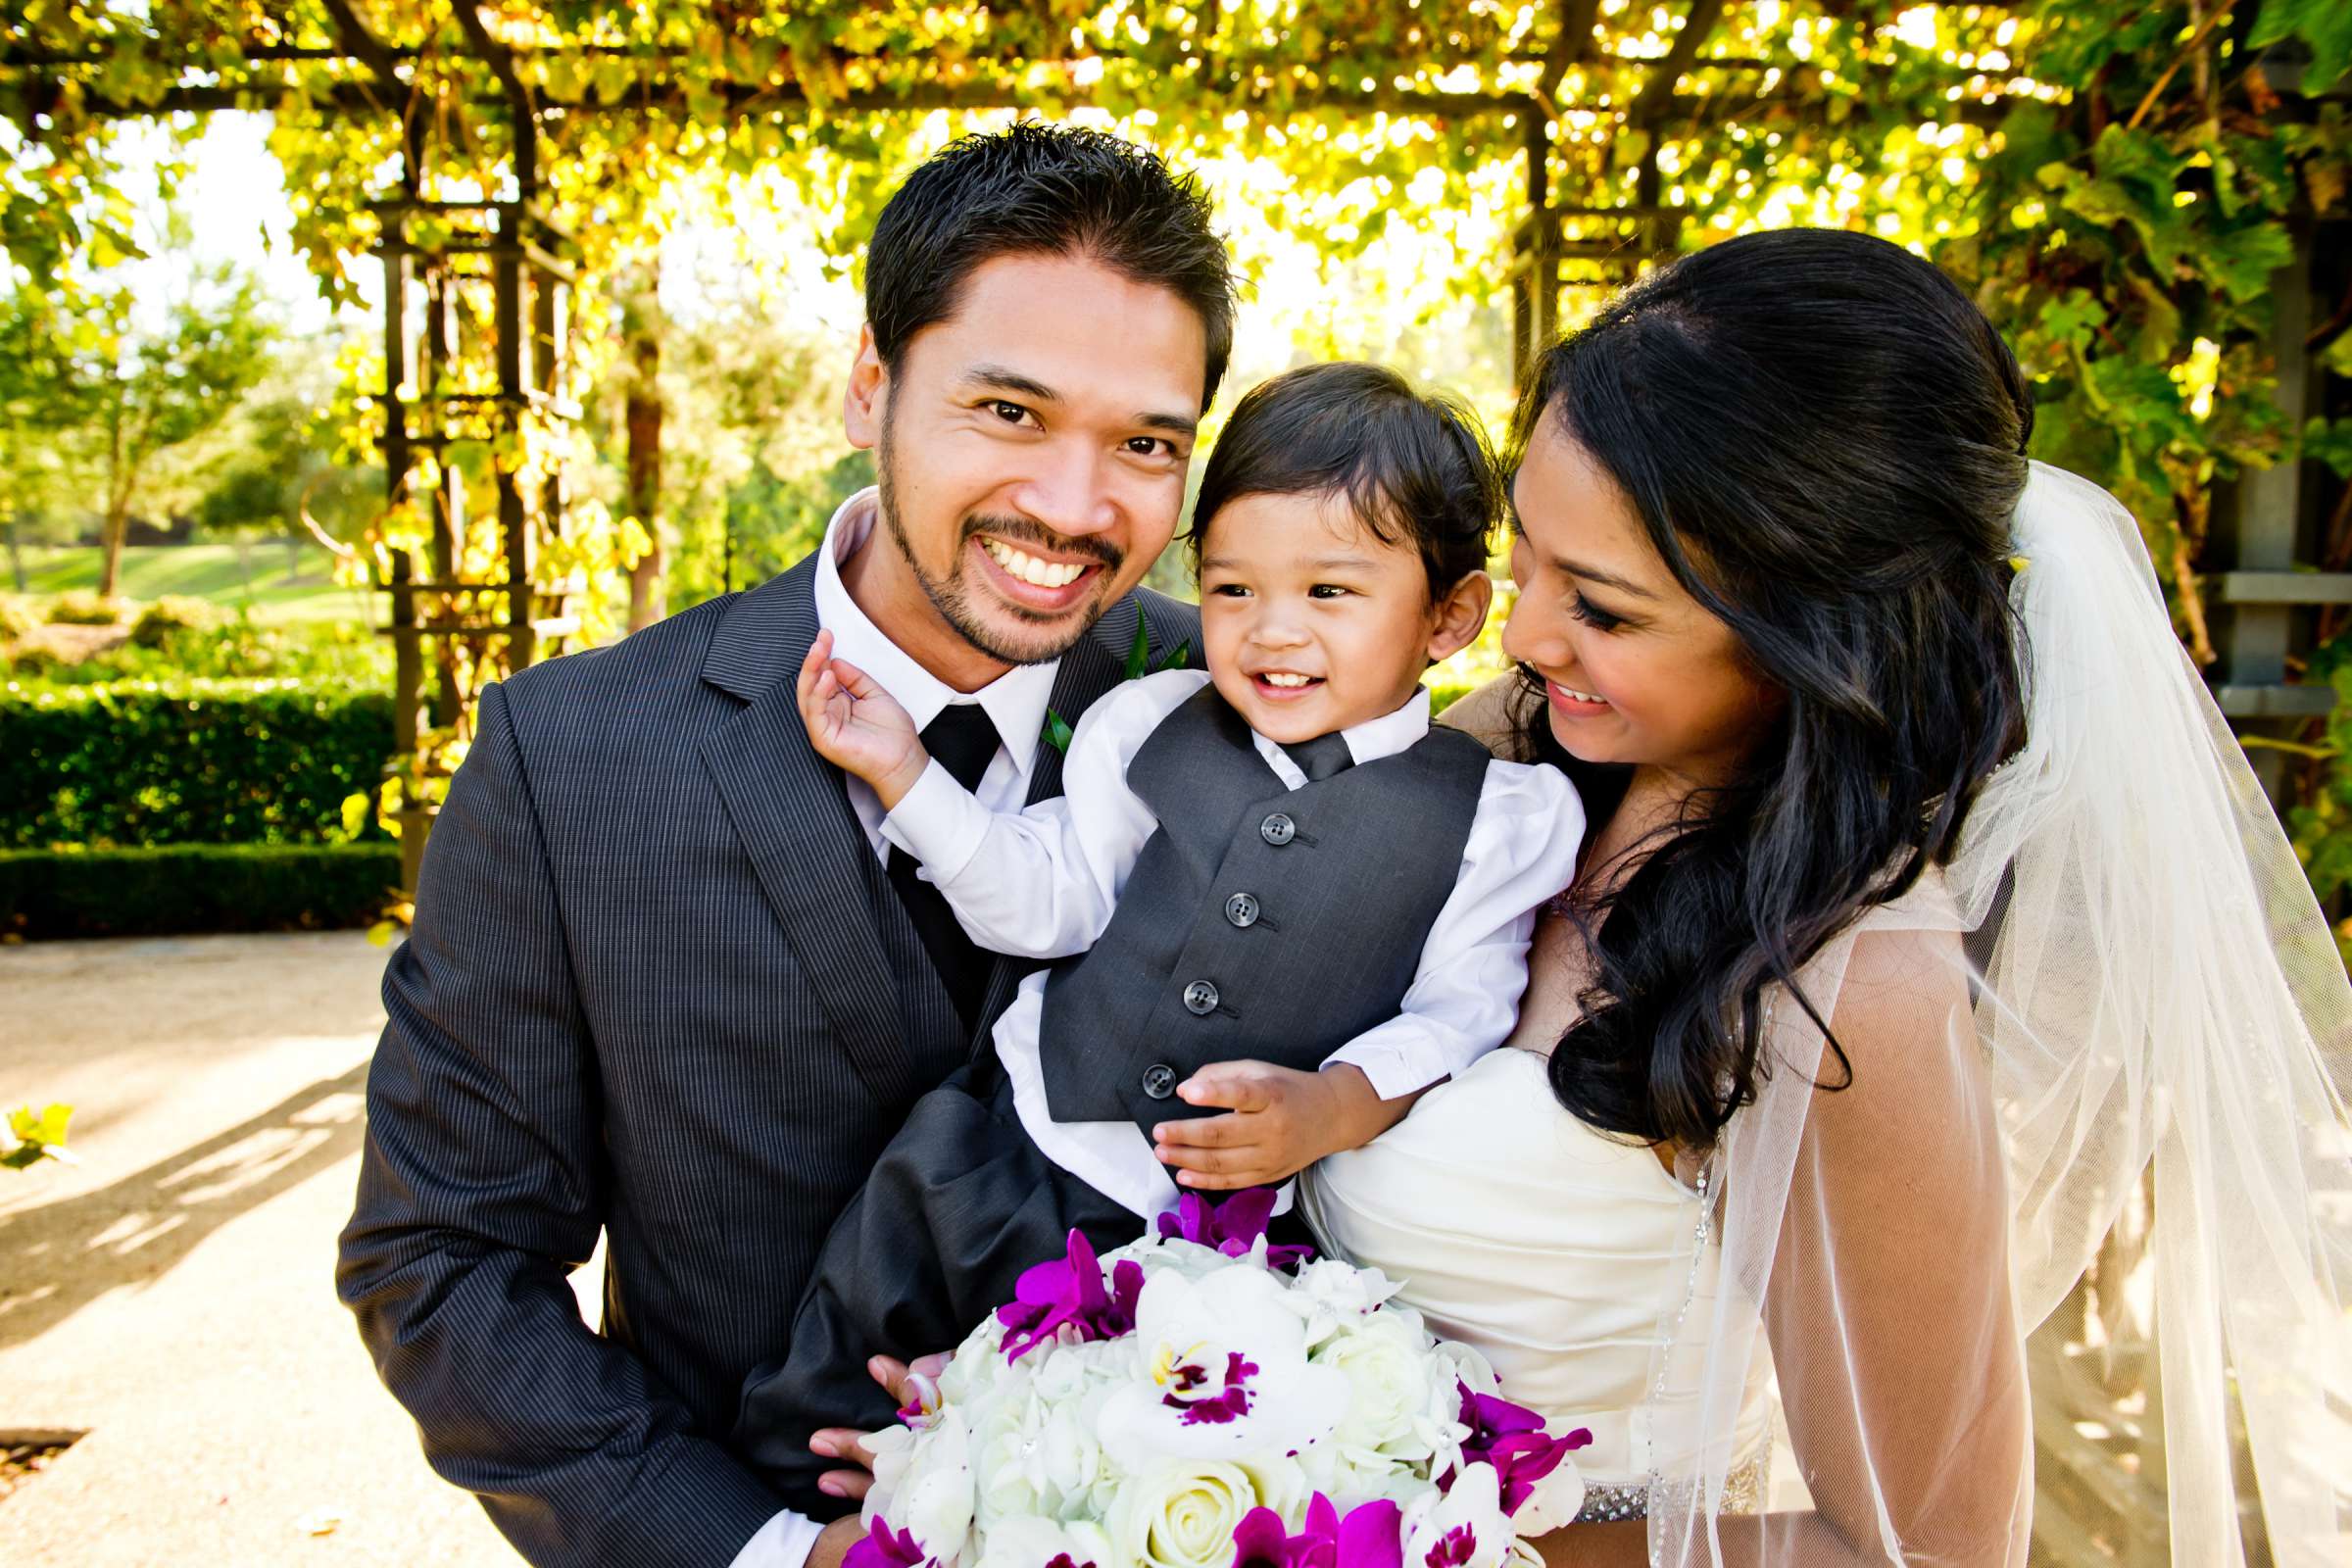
1041, 884
1015, 703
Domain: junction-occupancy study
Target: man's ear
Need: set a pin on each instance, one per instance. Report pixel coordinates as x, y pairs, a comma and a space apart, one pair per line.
863, 404
1461, 615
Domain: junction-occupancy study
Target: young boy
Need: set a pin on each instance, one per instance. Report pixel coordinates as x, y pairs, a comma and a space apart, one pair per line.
1283, 903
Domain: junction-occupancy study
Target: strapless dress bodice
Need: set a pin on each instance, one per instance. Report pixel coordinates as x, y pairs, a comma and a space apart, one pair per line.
1567, 1258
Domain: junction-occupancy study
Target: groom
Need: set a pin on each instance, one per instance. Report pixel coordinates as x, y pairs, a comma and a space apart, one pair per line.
668, 983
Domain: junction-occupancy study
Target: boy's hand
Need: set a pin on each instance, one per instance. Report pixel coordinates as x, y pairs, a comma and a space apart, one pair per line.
857, 725
1282, 1122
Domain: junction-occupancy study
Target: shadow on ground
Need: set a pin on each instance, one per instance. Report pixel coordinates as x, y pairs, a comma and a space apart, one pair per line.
131, 1232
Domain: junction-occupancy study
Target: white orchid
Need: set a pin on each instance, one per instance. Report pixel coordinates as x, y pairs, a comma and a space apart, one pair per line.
1464, 1528
1225, 1373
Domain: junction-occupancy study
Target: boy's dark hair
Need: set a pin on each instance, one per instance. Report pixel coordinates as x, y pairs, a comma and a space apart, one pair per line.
1048, 190
1415, 466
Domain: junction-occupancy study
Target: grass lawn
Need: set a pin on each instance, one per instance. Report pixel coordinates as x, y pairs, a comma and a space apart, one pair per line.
211, 571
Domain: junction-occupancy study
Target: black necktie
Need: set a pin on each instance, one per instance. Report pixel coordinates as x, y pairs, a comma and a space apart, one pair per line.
1321, 757
963, 739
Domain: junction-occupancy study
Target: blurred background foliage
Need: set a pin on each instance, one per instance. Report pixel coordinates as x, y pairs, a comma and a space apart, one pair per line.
2117, 183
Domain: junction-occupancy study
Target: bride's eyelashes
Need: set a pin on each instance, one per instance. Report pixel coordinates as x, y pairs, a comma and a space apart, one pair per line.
1593, 615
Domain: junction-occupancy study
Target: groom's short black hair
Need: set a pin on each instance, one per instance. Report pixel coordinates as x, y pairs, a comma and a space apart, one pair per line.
1416, 467
1053, 190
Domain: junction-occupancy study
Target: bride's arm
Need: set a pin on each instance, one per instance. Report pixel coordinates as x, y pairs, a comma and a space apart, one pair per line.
1888, 1310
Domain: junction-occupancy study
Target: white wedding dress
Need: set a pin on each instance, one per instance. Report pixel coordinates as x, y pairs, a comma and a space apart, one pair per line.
1564, 1256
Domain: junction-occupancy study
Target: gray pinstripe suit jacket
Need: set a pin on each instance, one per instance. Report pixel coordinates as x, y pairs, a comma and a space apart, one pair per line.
657, 988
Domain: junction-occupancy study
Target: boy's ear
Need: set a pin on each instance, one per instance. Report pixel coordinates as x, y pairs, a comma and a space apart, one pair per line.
1461, 615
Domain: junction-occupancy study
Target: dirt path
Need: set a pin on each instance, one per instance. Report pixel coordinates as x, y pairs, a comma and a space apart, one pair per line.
171, 1295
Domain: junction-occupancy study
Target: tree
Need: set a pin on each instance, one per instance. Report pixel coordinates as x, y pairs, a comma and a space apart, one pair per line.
281, 477
35, 488
131, 404
752, 486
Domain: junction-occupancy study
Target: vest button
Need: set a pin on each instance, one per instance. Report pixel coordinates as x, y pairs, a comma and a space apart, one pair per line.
1242, 910
1278, 829
1201, 998
1160, 1080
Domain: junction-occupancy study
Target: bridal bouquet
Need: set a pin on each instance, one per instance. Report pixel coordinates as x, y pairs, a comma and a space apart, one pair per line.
1185, 1403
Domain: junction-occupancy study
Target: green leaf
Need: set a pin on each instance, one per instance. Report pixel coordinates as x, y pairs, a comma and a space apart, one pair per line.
2329, 443
2325, 25
1057, 732
1139, 656
1181, 658
2072, 318
2242, 262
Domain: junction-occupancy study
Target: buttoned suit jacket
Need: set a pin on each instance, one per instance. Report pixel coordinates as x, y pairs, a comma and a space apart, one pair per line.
659, 990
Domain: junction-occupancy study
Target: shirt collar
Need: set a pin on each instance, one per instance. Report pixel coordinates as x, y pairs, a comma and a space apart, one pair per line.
1368, 742
1015, 702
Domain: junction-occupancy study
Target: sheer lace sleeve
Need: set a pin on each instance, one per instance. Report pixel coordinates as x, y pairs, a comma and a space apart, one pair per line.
1887, 1300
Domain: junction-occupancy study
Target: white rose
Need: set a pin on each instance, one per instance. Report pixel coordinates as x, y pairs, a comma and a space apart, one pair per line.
1391, 1381
1181, 1515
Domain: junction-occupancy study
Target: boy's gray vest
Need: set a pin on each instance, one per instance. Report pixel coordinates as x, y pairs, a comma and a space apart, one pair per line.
1261, 921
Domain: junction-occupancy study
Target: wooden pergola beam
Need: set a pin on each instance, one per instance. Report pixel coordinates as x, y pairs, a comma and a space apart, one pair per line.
1570, 45
660, 95
359, 40
1651, 104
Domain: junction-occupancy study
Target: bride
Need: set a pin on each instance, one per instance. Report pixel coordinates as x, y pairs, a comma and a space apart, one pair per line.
1928, 900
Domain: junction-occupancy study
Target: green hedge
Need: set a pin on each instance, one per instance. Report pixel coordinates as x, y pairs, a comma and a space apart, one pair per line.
219, 761
195, 887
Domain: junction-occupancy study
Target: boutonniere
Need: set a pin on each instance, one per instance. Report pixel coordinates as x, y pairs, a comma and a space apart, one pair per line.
1138, 665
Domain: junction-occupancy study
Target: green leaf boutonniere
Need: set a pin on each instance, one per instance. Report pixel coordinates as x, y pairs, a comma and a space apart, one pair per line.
1138, 665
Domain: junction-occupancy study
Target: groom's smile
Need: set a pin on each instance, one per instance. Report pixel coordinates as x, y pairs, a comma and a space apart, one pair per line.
1036, 576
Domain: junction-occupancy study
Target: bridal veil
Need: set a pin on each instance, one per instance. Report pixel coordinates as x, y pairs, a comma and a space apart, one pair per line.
2120, 972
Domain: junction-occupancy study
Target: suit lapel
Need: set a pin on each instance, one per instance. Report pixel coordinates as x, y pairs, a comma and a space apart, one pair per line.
807, 847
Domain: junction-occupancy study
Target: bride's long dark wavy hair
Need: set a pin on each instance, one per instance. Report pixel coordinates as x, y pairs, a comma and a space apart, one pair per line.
1824, 440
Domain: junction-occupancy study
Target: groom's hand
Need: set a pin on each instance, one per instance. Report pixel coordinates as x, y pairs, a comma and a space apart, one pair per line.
1282, 1121
835, 1541
909, 1387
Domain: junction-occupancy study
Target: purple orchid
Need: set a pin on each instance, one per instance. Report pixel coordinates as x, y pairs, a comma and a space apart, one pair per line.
1454, 1549
1370, 1537
1232, 1227
884, 1548
1228, 1402
1511, 1437
1068, 1291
